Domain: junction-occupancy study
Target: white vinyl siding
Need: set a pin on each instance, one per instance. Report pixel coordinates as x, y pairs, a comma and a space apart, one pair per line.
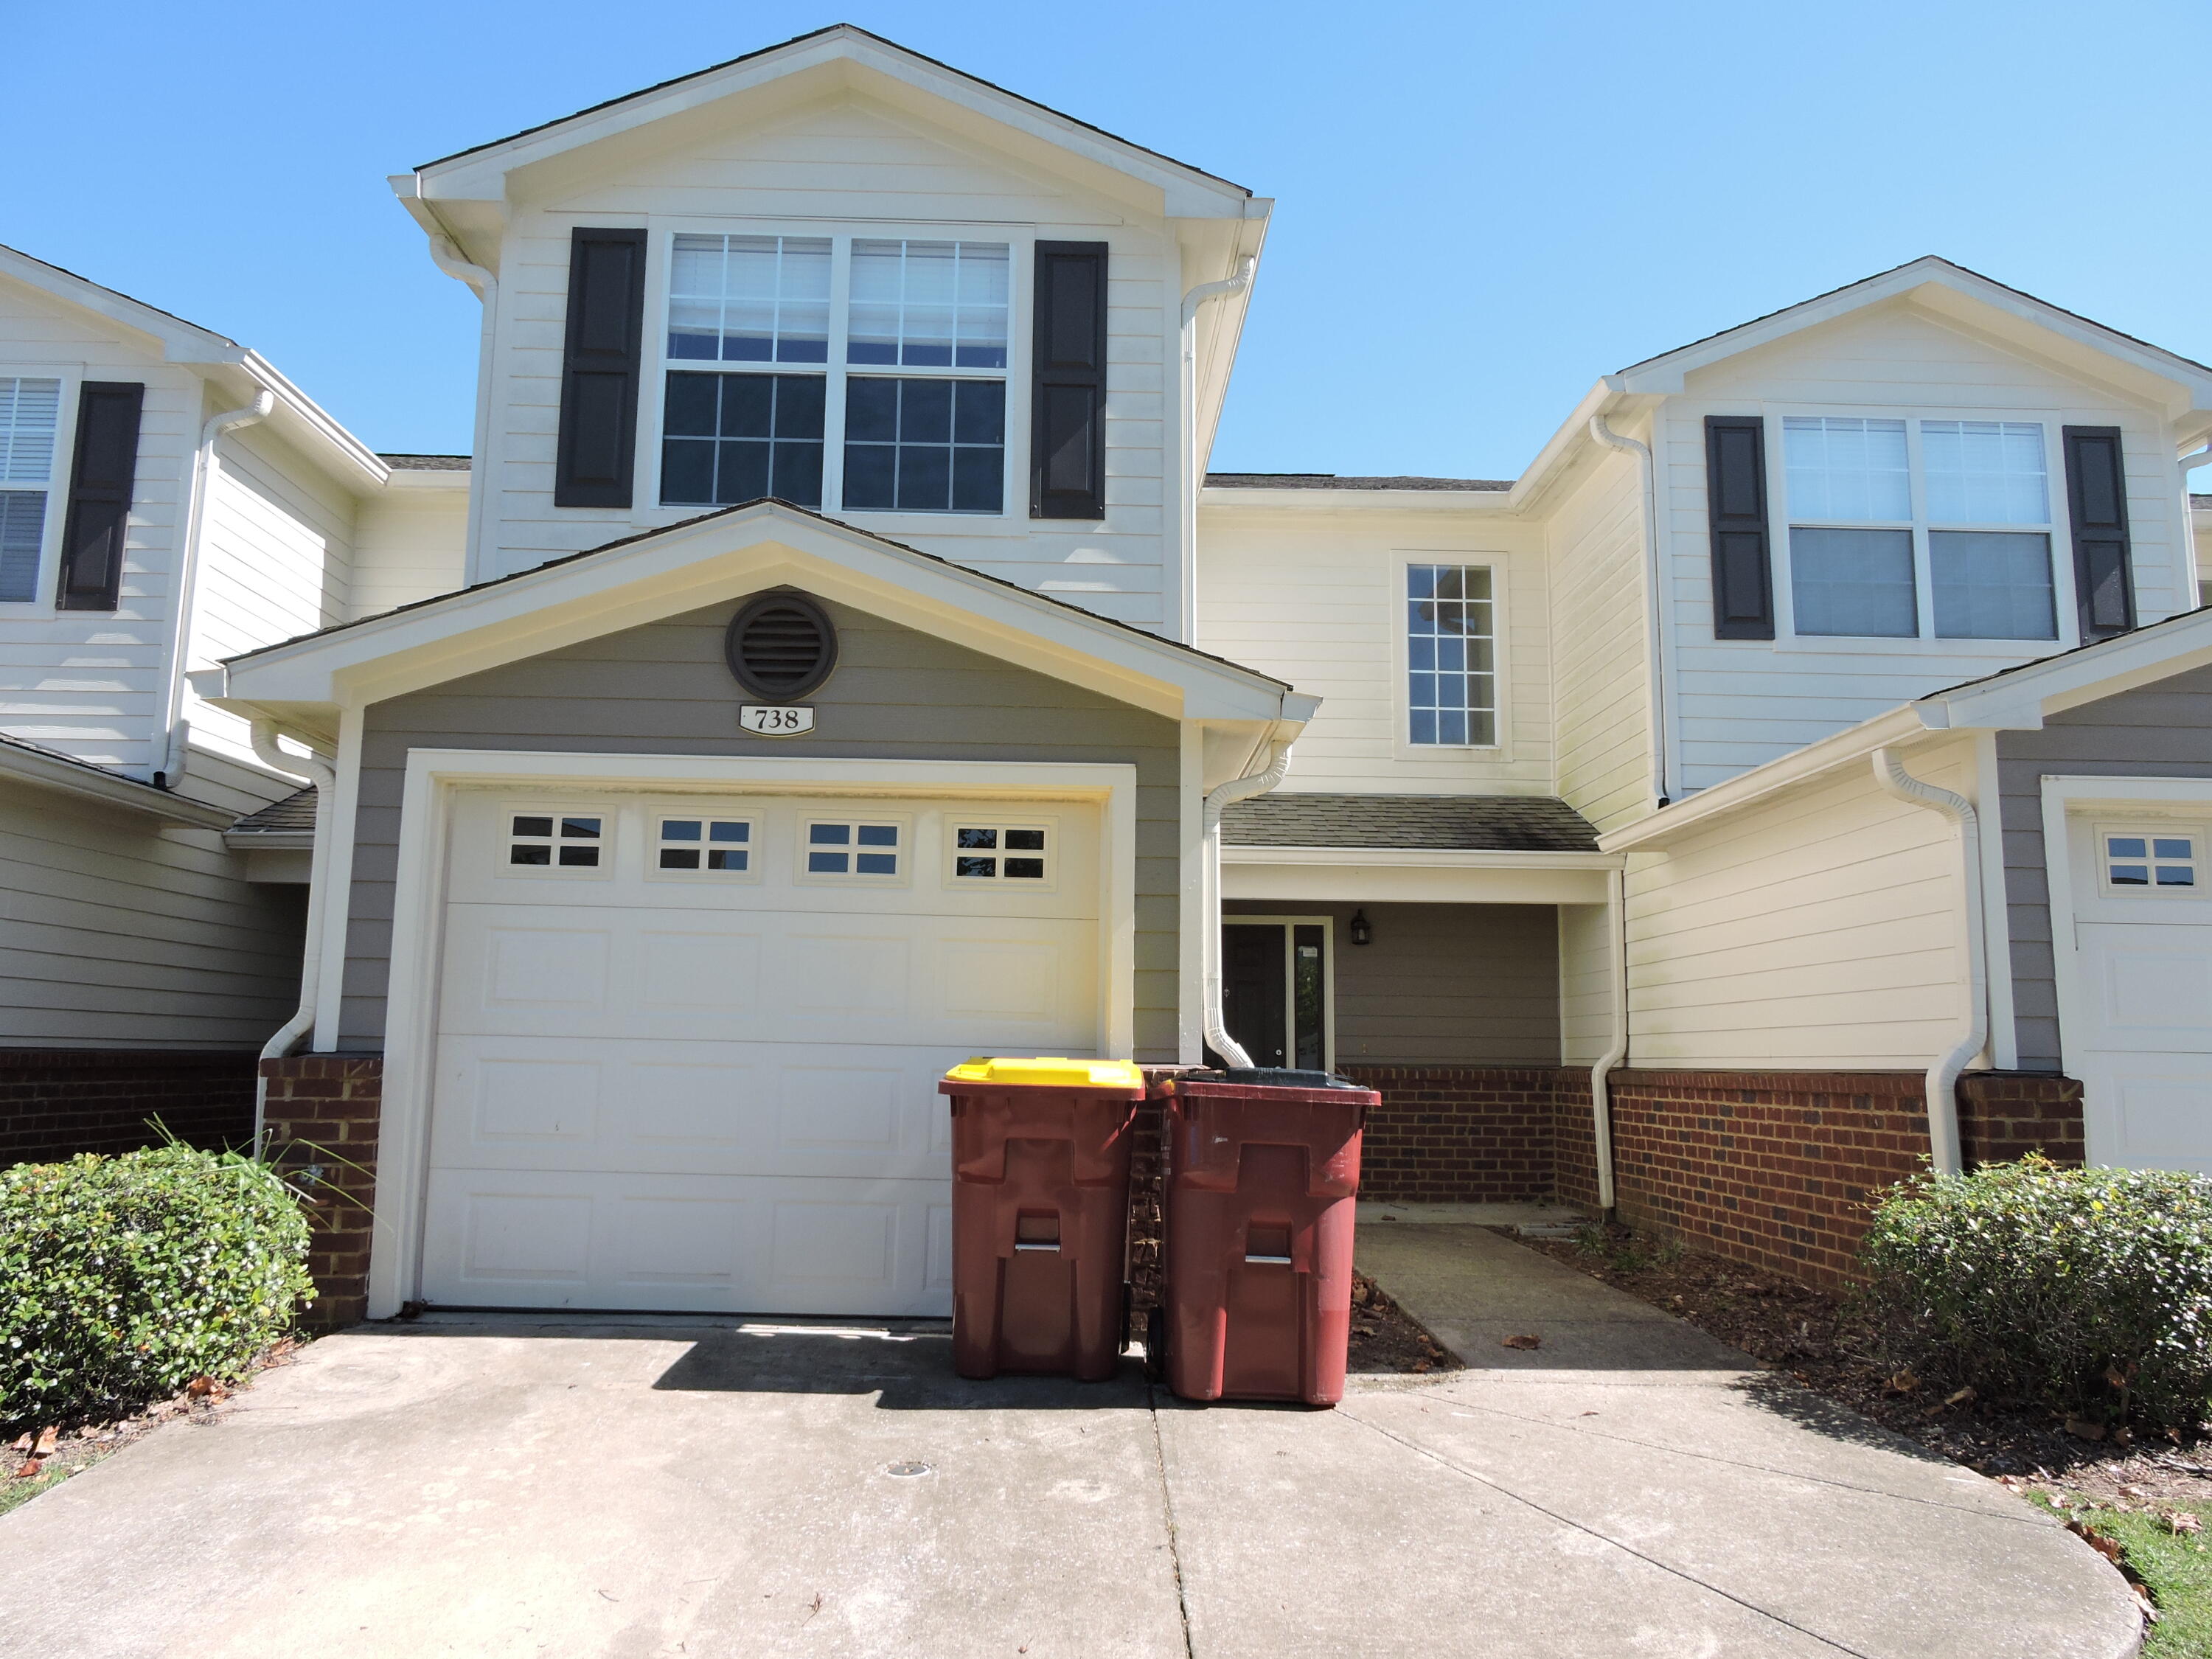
1595, 537
1816, 929
30, 418
1319, 599
1586, 995
1741, 703
883, 179
410, 542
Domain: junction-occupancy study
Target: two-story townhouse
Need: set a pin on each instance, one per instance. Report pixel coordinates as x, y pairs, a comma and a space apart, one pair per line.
168, 499
852, 675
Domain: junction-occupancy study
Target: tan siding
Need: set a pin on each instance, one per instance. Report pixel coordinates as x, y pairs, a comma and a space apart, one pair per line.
897, 695
2160, 730
1442, 984
121, 934
411, 543
1815, 929
1596, 541
1744, 703
1586, 996
1317, 598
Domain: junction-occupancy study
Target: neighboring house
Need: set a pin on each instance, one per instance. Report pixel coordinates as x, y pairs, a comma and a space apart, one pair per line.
167, 499
854, 663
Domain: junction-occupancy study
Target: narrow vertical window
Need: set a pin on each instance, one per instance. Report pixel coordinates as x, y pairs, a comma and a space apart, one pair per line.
1450, 646
30, 414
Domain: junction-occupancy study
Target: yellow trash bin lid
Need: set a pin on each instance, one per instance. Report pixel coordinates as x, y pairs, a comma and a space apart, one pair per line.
1055, 1073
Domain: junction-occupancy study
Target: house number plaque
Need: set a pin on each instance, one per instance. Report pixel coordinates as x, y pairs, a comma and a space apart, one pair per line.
775, 719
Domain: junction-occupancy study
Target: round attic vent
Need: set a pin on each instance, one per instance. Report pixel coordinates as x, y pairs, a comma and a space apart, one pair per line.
781, 647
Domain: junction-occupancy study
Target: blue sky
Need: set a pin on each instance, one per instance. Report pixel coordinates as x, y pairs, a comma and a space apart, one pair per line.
1481, 207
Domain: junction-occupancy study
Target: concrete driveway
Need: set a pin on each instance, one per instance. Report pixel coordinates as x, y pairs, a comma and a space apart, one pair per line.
508, 1485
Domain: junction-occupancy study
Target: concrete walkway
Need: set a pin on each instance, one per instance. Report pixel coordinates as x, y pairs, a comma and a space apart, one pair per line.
505, 1485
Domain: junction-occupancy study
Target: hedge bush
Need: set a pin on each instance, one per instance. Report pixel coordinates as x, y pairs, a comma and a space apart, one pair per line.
2087, 1291
122, 1279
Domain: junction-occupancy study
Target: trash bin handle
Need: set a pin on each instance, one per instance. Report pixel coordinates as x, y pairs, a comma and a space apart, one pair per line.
1126, 1123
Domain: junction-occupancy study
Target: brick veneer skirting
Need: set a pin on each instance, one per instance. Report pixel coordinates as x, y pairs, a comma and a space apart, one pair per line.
1776, 1168
1458, 1134
56, 1102
321, 1117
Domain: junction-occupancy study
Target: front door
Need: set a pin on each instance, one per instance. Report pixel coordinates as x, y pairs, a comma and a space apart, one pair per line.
2139, 1033
1274, 988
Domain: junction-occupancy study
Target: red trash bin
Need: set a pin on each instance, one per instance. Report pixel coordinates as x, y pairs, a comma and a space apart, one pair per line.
1040, 1214
1263, 1167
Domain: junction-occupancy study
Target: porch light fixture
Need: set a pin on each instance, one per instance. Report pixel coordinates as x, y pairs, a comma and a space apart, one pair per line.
1361, 932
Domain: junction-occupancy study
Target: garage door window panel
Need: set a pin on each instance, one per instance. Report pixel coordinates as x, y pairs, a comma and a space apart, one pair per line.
854, 850
2139, 861
1002, 854
704, 849
548, 840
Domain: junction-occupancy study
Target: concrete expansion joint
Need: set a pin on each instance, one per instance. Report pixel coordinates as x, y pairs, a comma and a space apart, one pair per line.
1667, 1568
1167, 1506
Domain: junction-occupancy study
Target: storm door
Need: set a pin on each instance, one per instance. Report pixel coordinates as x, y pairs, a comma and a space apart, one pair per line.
1275, 990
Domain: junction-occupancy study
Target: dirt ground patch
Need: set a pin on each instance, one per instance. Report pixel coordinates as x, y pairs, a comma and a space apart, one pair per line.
1386, 1339
1818, 1340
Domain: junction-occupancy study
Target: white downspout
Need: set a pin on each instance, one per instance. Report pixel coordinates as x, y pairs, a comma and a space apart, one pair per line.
206, 464
1194, 475
447, 258
313, 770
1944, 1076
1616, 928
1218, 800
1655, 629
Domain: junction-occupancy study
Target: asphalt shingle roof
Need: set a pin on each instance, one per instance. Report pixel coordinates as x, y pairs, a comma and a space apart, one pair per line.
425, 463
1514, 823
293, 814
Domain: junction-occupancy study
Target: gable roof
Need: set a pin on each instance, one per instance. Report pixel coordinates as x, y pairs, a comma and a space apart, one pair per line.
722, 555
1519, 823
240, 370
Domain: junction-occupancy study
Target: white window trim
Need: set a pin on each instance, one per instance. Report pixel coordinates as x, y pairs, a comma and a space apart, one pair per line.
544, 806
661, 232
901, 874
72, 377
953, 852
1402, 746
1786, 637
706, 811
2103, 826
1328, 925
436, 777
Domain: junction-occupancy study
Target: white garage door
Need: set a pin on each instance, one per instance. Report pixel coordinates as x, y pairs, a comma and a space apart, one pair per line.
2140, 1036
688, 1048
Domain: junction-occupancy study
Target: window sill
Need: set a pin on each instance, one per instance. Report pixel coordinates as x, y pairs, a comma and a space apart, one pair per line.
898, 526
1887, 645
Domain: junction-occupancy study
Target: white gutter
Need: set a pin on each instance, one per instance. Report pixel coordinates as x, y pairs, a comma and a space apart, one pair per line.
446, 254
1218, 800
1943, 1075
1193, 466
1655, 631
206, 464
308, 768
1616, 925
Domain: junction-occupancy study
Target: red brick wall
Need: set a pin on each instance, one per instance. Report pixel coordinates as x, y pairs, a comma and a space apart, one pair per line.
321, 1117
56, 1102
1450, 1134
1777, 1168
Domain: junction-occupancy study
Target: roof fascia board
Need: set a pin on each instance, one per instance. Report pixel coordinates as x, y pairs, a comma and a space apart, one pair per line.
1566, 444
1216, 498
2021, 700
1906, 726
348, 460
480, 175
90, 783
668, 574
1420, 858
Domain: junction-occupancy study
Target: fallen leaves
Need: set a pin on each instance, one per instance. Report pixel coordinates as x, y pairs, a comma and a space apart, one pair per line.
1525, 1342
2181, 1523
1902, 1382
45, 1446
2082, 1428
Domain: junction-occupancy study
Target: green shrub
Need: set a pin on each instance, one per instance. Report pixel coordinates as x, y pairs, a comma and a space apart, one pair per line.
2088, 1291
122, 1279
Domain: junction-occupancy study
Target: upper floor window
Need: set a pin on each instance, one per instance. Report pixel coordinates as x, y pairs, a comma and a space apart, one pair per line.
30, 411
1920, 529
1451, 671
912, 379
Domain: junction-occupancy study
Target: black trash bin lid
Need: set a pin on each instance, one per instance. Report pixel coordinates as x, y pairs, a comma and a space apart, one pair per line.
1273, 1077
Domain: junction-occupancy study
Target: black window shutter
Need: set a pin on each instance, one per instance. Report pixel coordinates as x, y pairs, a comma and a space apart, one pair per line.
598, 453
1067, 383
1736, 501
103, 472
2097, 508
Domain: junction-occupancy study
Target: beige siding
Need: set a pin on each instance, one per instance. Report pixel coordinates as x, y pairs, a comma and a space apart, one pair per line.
1317, 598
2160, 731
831, 167
1595, 536
410, 542
123, 934
1814, 929
89, 683
664, 688
1744, 703
1442, 984
1586, 996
